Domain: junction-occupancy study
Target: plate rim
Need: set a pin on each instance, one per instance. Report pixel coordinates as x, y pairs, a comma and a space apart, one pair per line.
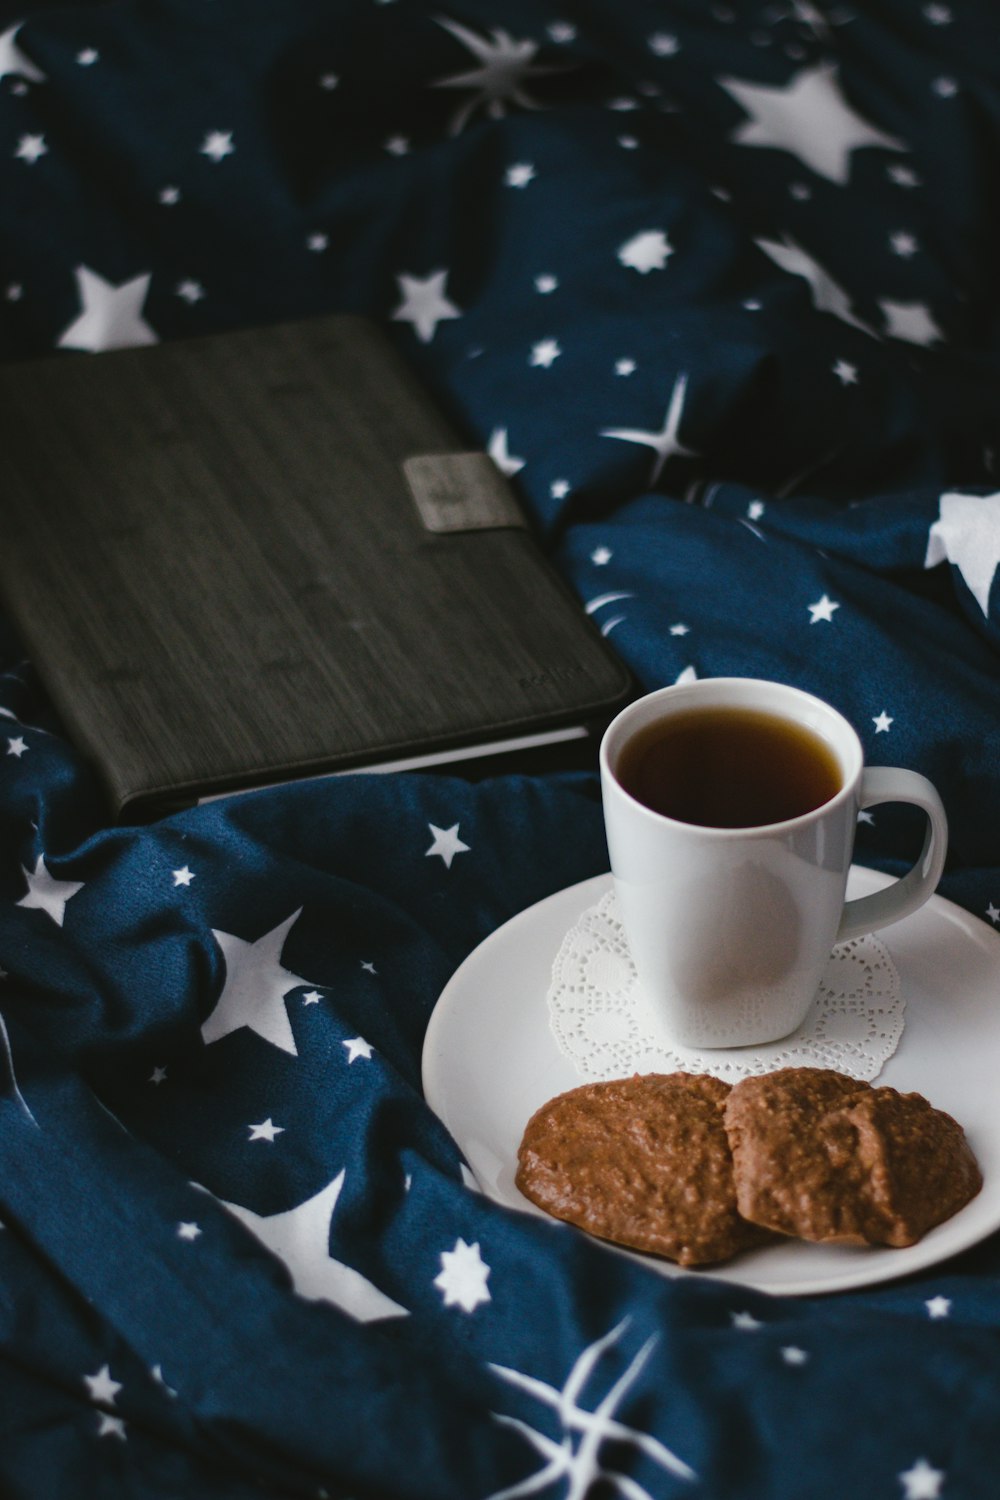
872, 1272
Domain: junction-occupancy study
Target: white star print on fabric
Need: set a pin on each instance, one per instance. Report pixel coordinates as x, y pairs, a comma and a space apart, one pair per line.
266, 1130
507, 64
463, 1276
827, 296
882, 723
600, 556
664, 443
254, 990
922, 1481
31, 148
158, 1075
793, 1355
545, 353
649, 250
424, 303
46, 893
809, 117
101, 1388
13, 60
846, 373
993, 912
910, 321
967, 534
183, 876
581, 1465
300, 1237
189, 1231
108, 1426
822, 610
519, 175
446, 843
938, 1307
745, 1321
16, 746
217, 145
112, 315
357, 1047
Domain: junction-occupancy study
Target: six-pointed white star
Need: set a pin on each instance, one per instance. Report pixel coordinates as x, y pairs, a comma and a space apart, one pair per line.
809, 117
254, 990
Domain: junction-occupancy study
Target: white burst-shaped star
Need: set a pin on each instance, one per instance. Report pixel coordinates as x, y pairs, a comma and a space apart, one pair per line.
649, 250
463, 1276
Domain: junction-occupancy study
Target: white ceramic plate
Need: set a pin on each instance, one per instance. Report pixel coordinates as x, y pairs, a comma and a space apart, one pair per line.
490, 1060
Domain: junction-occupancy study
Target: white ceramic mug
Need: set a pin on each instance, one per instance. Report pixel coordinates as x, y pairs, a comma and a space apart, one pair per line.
731, 928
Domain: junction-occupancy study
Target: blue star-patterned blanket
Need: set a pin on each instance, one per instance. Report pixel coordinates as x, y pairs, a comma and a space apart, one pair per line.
715, 285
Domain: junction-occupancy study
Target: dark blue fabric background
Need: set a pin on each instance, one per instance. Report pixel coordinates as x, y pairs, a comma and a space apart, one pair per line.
595, 240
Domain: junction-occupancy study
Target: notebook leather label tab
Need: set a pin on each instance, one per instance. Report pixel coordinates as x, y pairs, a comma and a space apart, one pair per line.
461, 492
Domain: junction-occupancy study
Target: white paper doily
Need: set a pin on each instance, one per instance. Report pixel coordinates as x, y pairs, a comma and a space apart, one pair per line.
604, 1024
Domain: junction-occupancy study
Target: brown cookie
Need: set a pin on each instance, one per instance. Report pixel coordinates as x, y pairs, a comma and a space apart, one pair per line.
641, 1161
830, 1158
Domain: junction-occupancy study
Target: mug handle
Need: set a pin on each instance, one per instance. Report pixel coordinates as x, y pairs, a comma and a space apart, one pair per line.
867, 913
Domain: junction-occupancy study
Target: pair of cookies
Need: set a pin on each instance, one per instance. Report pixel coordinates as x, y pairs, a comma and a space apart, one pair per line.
684, 1166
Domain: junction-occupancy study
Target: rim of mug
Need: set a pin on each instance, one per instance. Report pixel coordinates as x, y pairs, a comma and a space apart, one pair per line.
747, 686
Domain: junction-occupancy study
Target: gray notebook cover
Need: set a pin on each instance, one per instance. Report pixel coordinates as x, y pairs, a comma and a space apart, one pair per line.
266, 554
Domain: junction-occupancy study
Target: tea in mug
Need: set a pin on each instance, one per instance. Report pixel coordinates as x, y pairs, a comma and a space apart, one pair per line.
728, 768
